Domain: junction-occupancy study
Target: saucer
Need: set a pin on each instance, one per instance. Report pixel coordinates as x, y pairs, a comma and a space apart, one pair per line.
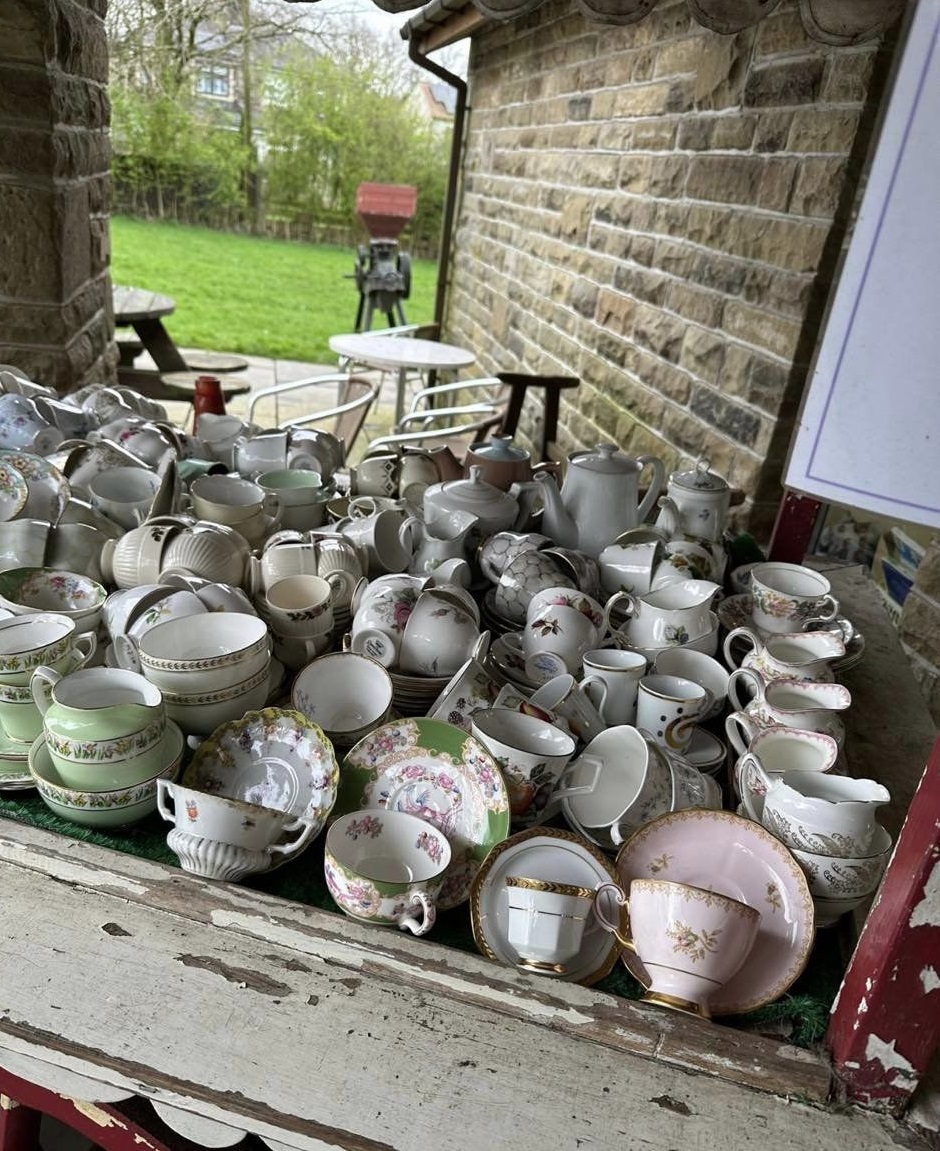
438, 772
48, 491
553, 854
13, 491
14, 755
738, 611
706, 751
722, 852
506, 656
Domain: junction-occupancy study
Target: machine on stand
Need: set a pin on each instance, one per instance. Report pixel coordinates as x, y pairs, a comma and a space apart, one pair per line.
383, 274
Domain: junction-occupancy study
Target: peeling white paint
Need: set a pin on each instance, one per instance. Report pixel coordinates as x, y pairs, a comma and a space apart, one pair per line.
353, 955
94, 1114
927, 912
884, 1053
929, 979
95, 877
862, 1005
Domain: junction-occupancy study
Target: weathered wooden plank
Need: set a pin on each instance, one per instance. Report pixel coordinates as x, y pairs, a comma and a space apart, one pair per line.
306, 1051
421, 965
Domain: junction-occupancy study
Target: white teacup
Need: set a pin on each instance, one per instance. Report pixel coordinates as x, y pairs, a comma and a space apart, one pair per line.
669, 707
228, 499
300, 495
545, 921
124, 495
300, 606
618, 783
564, 697
786, 596
21, 426
387, 539
701, 669
228, 820
691, 940
614, 674
439, 635
346, 694
531, 754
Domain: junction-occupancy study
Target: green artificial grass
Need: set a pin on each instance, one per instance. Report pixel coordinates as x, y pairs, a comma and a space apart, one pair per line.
799, 1017
248, 294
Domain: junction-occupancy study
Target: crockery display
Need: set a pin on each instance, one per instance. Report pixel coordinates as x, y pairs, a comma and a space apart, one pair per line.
439, 773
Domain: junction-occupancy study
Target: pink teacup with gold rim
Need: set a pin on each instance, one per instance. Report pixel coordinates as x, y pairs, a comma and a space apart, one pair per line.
691, 940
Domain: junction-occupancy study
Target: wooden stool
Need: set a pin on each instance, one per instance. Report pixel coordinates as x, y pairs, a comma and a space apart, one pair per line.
553, 385
129, 347
213, 362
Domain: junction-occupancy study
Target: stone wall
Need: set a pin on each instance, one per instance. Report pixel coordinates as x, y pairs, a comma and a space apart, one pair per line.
658, 209
54, 191
920, 627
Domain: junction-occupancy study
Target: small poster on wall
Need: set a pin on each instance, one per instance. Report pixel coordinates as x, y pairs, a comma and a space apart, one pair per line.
869, 430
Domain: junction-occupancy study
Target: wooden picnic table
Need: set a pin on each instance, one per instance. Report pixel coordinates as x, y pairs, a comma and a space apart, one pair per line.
143, 311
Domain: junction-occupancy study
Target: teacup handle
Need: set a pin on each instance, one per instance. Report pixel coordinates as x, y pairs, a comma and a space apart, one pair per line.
621, 899
744, 633
827, 612
562, 792
618, 597
306, 830
41, 683
338, 585
747, 675
166, 800
595, 681
736, 723
428, 915
409, 533
86, 645
125, 652
749, 762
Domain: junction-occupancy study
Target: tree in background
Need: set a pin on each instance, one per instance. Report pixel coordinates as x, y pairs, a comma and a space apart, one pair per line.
318, 106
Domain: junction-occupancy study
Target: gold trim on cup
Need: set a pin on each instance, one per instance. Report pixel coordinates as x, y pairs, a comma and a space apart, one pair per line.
547, 885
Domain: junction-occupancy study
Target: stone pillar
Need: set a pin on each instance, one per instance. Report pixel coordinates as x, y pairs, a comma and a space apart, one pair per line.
55, 289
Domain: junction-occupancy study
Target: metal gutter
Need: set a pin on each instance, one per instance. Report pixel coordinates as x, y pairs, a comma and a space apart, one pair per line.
441, 23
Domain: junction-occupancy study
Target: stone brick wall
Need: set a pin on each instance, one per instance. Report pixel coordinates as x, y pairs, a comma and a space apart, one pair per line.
920, 626
658, 209
54, 191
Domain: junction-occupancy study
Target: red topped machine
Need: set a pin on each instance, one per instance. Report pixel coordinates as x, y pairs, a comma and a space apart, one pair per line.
383, 274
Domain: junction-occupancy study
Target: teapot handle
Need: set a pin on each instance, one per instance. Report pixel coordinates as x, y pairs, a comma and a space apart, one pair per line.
744, 633
748, 675
524, 494
656, 485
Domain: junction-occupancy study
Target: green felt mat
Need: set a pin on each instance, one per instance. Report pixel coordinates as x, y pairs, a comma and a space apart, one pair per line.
799, 1017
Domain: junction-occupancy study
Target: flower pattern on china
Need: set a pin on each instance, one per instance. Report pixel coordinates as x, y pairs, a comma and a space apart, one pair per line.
368, 825
695, 945
102, 751
430, 845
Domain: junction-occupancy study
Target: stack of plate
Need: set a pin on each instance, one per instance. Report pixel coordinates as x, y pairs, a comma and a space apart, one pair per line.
414, 694
491, 618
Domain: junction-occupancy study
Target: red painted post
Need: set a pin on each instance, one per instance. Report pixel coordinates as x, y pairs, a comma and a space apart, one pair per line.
885, 1023
19, 1126
793, 531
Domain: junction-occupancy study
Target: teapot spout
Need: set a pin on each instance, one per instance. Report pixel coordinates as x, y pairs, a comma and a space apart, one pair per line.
557, 522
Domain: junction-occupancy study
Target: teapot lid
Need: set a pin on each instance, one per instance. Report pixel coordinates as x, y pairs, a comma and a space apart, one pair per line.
605, 459
700, 478
499, 448
472, 495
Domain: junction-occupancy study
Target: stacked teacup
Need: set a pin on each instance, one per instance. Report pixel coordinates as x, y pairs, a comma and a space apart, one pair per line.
105, 742
299, 611
27, 642
210, 668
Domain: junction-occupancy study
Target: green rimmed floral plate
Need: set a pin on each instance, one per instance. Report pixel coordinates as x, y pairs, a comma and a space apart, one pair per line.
440, 773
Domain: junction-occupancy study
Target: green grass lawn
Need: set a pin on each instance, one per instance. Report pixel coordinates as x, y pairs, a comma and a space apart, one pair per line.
252, 295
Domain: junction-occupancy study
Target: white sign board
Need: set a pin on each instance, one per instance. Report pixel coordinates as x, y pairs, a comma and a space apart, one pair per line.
869, 430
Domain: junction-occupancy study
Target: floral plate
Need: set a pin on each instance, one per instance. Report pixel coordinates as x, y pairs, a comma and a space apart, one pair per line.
552, 854
275, 758
722, 852
14, 491
738, 611
48, 489
440, 773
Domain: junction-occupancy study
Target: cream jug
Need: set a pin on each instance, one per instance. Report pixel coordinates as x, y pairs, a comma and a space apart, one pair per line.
807, 704
797, 656
674, 615
599, 498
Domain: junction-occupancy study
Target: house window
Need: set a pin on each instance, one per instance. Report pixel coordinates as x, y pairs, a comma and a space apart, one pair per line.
213, 82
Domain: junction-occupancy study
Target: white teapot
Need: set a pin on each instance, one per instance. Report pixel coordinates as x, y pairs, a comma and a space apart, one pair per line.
700, 498
599, 498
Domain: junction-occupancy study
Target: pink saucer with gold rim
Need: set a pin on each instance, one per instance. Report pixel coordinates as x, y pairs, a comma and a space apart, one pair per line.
719, 851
